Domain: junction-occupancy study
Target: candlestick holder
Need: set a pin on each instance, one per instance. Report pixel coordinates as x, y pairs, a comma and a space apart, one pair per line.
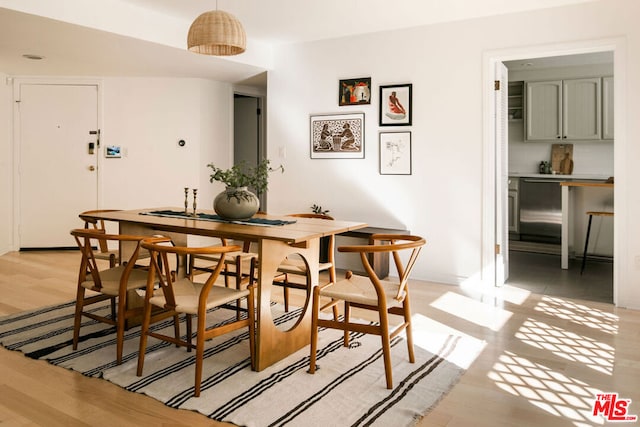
186, 200
195, 192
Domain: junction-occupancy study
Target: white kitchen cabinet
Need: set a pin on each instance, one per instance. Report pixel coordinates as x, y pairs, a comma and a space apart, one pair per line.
581, 109
607, 108
543, 110
563, 110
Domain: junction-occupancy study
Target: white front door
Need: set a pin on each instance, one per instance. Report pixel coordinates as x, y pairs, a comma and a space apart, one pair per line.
58, 175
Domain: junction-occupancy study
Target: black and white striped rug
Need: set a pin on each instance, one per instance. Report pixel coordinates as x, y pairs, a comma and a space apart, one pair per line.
348, 389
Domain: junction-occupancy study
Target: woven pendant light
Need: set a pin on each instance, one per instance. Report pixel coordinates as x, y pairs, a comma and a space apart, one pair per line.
217, 33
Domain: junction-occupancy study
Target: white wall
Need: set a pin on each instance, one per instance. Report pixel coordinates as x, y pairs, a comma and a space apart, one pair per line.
442, 200
6, 166
147, 117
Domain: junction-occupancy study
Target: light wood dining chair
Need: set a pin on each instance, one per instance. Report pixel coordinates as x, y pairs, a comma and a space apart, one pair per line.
174, 296
111, 255
390, 296
294, 267
239, 265
113, 283
104, 252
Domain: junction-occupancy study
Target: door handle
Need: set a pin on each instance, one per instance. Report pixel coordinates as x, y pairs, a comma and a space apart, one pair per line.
92, 168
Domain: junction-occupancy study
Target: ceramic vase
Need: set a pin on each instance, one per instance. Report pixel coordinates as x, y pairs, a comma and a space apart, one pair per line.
236, 203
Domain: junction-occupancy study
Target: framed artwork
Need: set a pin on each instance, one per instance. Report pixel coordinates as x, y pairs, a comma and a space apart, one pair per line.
337, 136
354, 91
395, 153
395, 105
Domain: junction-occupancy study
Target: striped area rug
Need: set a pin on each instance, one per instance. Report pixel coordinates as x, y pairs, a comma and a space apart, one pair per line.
348, 389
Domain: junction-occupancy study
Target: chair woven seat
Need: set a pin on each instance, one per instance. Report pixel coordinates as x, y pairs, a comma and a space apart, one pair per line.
110, 280
295, 266
187, 295
359, 289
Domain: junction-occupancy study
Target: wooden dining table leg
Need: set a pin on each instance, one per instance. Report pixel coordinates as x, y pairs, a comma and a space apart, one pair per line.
272, 343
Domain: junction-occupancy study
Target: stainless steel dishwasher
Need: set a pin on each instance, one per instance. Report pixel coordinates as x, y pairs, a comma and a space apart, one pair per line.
540, 210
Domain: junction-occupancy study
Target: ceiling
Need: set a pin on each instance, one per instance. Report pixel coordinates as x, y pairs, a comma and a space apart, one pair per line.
561, 61
147, 37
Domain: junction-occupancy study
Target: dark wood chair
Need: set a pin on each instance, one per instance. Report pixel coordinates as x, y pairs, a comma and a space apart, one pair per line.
175, 296
369, 292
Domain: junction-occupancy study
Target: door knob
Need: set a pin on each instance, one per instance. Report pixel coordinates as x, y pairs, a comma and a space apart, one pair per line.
92, 168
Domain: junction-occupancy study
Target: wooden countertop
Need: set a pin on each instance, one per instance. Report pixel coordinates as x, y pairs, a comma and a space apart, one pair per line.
586, 184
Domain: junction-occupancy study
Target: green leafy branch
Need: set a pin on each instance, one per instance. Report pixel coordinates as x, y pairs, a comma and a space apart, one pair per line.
242, 175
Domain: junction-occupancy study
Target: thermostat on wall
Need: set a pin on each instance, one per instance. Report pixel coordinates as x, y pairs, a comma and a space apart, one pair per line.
113, 151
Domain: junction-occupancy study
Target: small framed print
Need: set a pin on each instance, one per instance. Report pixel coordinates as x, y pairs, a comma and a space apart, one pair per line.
337, 136
113, 151
354, 91
395, 105
395, 153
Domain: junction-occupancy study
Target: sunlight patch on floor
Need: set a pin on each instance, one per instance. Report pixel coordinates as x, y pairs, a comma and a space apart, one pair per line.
568, 345
549, 390
578, 313
424, 329
474, 311
500, 294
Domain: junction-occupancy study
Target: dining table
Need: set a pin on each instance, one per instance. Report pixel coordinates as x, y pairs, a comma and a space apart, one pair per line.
275, 236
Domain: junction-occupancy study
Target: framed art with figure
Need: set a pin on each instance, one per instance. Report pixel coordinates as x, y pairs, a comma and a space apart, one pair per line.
395, 105
395, 153
354, 91
337, 136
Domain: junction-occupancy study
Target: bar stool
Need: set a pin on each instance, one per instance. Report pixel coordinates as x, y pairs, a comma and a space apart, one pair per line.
586, 241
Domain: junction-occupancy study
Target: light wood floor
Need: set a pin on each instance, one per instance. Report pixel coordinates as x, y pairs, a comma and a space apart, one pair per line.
544, 357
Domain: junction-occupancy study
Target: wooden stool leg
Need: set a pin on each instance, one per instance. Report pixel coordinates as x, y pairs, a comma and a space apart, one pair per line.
586, 244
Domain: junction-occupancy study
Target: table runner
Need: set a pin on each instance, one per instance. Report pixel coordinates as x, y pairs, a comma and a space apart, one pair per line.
218, 218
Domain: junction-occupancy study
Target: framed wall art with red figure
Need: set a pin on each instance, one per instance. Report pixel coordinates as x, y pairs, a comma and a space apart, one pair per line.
395, 105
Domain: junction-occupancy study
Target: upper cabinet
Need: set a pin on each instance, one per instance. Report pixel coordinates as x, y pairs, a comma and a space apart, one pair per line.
543, 110
607, 108
516, 100
582, 109
564, 109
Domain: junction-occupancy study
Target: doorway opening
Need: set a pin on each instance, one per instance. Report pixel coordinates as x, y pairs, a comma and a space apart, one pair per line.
536, 169
248, 133
532, 267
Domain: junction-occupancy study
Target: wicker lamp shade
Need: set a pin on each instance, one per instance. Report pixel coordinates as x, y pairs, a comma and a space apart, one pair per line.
217, 33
